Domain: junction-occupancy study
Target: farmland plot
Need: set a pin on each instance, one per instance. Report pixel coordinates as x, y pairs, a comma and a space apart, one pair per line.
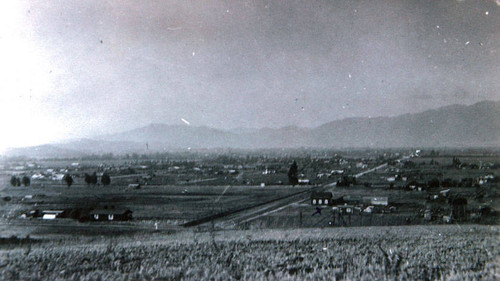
376, 253
170, 206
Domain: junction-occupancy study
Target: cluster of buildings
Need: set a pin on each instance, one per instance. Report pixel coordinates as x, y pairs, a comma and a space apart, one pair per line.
367, 204
105, 213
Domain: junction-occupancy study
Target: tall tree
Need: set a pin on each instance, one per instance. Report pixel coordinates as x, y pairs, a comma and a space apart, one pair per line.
13, 181
93, 178
293, 176
68, 179
88, 180
26, 181
105, 179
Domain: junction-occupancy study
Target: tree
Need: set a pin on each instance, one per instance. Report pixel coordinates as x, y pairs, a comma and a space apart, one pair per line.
68, 179
105, 179
433, 183
93, 178
26, 181
293, 178
88, 180
346, 181
447, 182
13, 181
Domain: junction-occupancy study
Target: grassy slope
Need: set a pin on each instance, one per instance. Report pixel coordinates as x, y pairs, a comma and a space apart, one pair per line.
374, 253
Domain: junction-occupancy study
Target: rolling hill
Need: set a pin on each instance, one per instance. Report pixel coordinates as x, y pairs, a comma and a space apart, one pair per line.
476, 125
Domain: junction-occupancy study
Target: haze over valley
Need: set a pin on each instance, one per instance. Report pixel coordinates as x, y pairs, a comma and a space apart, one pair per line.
454, 126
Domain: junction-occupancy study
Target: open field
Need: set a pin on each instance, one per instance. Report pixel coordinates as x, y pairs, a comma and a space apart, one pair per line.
226, 218
169, 206
468, 252
209, 187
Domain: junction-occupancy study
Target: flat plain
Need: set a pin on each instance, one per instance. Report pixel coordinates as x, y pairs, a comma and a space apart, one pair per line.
236, 217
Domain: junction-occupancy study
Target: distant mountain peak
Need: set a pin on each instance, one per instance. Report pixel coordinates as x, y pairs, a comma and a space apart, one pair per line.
476, 125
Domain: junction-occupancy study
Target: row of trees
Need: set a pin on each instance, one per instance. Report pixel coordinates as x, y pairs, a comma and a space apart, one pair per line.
92, 179
15, 181
67, 178
89, 179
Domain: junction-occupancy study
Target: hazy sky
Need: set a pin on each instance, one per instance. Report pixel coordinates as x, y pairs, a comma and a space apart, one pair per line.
74, 68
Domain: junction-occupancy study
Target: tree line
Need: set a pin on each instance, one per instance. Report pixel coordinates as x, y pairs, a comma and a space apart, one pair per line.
67, 178
15, 181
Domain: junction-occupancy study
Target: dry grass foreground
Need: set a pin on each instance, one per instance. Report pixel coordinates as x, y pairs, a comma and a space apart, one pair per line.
450, 252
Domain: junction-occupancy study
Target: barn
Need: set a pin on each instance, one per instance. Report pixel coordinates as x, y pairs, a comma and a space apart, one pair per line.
52, 214
321, 198
110, 215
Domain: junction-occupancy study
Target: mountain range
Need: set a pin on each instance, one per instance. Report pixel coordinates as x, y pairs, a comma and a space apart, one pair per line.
476, 125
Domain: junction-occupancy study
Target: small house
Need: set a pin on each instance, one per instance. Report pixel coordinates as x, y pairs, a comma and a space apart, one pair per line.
445, 193
58, 177
369, 209
49, 216
321, 198
346, 209
376, 201
52, 214
304, 182
134, 185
